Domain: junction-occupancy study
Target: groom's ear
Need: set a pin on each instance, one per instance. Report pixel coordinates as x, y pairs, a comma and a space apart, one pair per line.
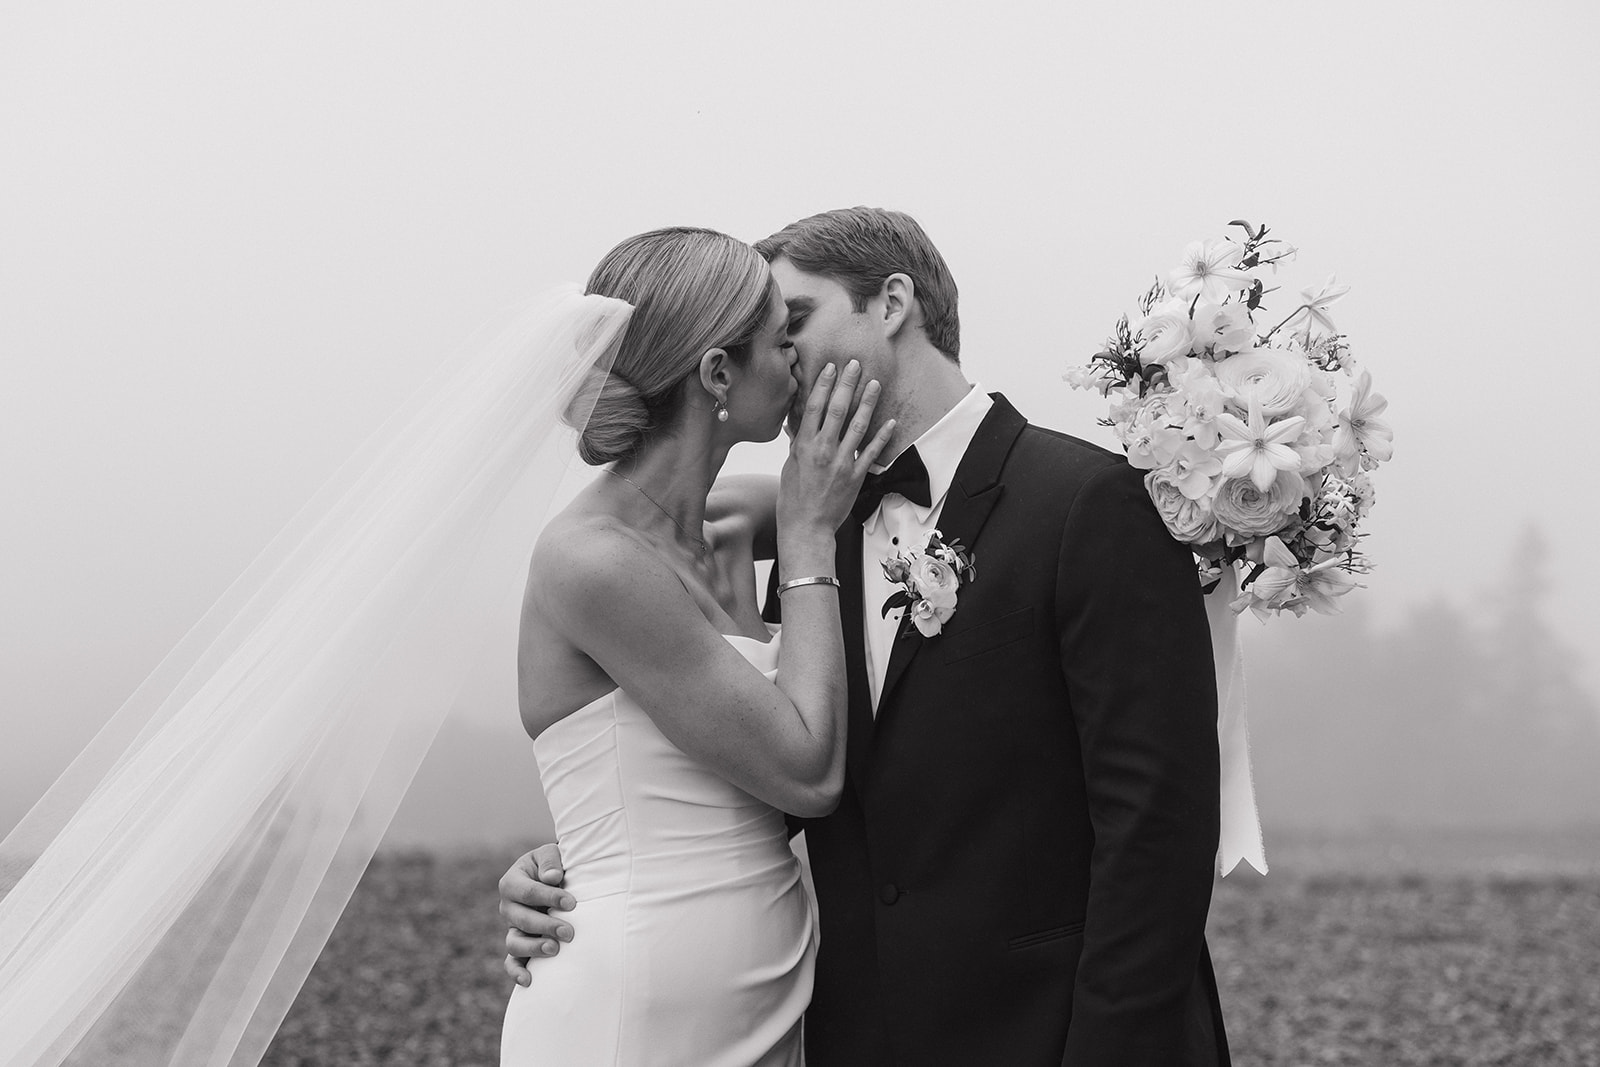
899, 294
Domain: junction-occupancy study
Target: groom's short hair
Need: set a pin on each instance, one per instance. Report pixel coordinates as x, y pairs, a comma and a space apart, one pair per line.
859, 247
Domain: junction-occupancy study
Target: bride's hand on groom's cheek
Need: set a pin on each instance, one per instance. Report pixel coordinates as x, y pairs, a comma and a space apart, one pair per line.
529, 891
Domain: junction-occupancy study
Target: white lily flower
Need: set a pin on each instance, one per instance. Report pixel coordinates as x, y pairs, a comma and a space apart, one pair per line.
1258, 448
1360, 430
1210, 269
1281, 575
1315, 303
1322, 584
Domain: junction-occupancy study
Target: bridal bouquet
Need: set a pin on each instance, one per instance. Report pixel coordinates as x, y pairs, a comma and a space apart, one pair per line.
1258, 445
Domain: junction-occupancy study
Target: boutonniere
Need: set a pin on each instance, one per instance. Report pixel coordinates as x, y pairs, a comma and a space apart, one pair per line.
929, 580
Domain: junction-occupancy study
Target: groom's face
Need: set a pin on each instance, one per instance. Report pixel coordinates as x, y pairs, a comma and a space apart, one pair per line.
825, 328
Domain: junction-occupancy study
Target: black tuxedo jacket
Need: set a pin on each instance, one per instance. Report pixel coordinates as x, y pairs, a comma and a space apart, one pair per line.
1021, 865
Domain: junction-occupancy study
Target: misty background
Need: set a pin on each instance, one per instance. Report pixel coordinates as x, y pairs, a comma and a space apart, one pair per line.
233, 240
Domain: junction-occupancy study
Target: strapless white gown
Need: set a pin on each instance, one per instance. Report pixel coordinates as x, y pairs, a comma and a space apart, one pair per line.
695, 937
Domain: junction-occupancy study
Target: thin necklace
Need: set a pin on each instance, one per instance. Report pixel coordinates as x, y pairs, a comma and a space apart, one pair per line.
703, 546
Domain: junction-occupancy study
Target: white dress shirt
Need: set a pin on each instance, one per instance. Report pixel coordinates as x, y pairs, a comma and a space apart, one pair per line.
898, 525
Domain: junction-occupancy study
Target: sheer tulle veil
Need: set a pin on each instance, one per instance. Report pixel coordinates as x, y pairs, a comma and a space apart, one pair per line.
166, 898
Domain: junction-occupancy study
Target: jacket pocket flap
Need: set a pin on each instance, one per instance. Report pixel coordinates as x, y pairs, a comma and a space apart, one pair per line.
986, 636
1055, 933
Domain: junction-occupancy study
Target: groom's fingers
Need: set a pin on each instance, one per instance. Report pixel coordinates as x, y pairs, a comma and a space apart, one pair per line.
536, 922
522, 886
526, 893
547, 864
522, 943
517, 969
522, 946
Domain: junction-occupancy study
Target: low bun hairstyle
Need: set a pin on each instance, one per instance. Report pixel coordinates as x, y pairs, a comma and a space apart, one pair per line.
691, 290
611, 417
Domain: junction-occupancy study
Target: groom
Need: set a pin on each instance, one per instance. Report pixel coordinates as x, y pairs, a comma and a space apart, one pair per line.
1021, 864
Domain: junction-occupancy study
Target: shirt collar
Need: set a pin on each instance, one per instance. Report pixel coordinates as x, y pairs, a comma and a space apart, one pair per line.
941, 447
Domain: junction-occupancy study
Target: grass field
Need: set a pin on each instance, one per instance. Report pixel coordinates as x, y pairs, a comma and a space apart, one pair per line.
1375, 951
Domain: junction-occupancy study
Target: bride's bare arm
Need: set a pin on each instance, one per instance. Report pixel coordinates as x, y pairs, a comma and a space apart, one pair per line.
618, 601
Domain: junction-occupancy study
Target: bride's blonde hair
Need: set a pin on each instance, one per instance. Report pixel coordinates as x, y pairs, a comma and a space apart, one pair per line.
691, 290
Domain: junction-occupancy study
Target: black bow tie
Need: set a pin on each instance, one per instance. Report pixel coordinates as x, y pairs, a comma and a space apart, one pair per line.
906, 476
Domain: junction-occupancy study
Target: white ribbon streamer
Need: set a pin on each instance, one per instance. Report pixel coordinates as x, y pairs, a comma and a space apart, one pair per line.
1241, 822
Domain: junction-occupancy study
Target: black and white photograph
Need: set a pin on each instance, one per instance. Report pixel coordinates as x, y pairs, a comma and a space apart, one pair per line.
828, 535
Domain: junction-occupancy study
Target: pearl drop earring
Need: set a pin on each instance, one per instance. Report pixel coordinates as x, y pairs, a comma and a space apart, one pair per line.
722, 411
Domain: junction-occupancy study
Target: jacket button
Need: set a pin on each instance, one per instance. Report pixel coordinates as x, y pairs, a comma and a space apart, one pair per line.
889, 893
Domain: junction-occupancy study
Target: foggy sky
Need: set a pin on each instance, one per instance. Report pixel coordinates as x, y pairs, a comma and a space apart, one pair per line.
232, 241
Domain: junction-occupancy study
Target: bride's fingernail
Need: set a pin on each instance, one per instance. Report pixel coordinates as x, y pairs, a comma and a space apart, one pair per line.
548, 948
564, 933
567, 903
827, 372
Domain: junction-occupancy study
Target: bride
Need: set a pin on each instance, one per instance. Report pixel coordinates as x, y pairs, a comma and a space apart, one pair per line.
670, 734
164, 901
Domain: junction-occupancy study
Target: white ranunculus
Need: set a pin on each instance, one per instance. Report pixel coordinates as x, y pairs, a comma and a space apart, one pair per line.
1167, 335
1272, 377
1244, 509
937, 582
1189, 521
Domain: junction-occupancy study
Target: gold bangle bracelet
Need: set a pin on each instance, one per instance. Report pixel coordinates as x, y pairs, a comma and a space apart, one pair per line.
817, 579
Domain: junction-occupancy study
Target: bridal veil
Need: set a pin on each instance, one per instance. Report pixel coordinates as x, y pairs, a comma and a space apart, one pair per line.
165, 899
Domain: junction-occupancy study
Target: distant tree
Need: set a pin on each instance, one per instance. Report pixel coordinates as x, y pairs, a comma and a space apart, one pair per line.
1449, 718
1535, 673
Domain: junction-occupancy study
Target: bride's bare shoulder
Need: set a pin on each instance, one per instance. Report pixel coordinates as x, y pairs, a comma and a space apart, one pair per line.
580, 541
588, 559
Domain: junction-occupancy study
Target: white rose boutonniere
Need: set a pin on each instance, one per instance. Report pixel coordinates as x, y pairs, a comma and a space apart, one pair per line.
930, 580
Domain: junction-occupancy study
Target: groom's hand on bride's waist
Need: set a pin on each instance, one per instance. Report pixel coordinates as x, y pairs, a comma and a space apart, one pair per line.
529, 891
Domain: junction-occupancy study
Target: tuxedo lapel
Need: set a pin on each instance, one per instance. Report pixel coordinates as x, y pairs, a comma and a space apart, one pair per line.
859, 734
973, 494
